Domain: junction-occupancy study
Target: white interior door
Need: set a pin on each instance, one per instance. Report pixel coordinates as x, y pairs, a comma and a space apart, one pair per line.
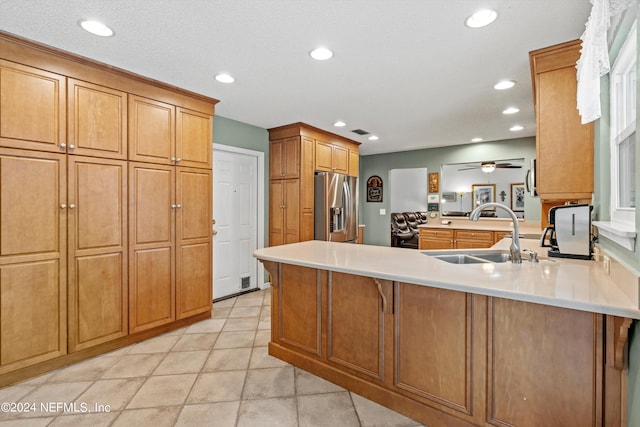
235, 211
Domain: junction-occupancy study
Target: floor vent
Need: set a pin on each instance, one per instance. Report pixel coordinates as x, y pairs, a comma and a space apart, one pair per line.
246, 282
360, 132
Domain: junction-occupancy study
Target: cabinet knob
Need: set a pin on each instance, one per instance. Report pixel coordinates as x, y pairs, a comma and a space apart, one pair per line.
63, 146
178, 160
283, 174
72, 206
63, 206
178, 206
72, 147
173, 159
173, 206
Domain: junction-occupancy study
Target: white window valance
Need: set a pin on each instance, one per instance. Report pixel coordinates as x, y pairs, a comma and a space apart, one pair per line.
594, 56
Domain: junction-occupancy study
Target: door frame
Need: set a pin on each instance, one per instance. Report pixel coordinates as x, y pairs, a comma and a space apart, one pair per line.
259, 155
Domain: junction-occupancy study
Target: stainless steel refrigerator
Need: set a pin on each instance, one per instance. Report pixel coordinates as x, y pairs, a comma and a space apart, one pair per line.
336, 207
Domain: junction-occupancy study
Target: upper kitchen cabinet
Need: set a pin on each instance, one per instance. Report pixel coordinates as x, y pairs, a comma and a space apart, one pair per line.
97, 120
194, 138
169, 135
284, 158
32, 108
152, 131
564, 146
331, 157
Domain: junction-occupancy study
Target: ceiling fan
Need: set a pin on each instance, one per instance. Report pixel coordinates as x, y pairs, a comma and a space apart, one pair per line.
488, 167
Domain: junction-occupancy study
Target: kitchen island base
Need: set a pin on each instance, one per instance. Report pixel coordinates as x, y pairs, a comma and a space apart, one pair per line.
450, 358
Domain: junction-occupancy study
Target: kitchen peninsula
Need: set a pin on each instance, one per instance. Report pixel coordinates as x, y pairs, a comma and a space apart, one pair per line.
493, 343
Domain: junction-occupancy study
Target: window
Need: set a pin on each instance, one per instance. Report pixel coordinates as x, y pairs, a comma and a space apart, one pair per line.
623, 132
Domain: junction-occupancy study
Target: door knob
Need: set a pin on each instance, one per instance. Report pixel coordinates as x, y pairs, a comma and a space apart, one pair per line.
213, 221
215, 232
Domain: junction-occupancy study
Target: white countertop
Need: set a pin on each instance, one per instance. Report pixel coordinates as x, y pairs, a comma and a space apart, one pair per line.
575, 284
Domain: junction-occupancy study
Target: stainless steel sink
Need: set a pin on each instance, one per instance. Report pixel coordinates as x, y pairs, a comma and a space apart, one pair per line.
470, 256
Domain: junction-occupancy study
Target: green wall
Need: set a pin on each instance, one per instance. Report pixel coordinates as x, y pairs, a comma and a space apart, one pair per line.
377, 231
242, 135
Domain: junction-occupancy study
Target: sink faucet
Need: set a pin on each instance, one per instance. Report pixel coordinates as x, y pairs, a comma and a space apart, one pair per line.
516, 257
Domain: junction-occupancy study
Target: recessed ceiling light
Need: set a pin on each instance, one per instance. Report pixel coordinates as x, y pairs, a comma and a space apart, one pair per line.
504, 84
339, 124
321, 54
97, 28
481, 18
225, 78
515, 128
373, 138
478, 139
511, 110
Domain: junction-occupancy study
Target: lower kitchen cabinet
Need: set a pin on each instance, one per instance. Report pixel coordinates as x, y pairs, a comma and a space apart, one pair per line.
473, 239
355, 337
97, 278
447, 357
33, 284
435, 239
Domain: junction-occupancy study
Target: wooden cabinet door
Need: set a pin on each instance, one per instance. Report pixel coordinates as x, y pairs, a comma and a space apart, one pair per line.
340, 161
194, 141
97, 120
276, 213
355, 337
544, 365
473, 239
300, 309
151, 246
98, 299
193, 242
354, 160
434, 330
151, 131
564, 146
33, 212
32, 108
324, 156
291, 210
276, 154
284, 212
430, 243
284, 158
435, 239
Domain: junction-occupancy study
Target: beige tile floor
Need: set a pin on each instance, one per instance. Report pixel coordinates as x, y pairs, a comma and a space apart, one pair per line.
213, 373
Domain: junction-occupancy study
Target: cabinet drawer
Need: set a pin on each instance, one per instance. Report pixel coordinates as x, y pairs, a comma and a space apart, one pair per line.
437, 233
474, 235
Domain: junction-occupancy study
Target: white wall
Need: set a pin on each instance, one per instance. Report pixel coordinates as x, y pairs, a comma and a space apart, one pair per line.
408, 190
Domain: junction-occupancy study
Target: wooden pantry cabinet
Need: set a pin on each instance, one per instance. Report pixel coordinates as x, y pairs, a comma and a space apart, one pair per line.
296, 152
170, 217
564, 146
105, 208
33, 258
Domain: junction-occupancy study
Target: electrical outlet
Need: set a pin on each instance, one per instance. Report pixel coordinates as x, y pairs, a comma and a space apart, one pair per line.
606, 264
596, 254
383, 211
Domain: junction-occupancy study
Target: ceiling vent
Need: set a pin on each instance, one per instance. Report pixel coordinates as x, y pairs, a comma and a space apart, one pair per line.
360, 132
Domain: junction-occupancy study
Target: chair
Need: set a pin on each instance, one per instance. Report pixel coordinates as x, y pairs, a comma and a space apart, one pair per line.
402, 235
422, 217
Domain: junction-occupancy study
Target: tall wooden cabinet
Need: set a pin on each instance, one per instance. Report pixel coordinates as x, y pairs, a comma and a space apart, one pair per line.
33, 273
105, 208
296, 152
564, 146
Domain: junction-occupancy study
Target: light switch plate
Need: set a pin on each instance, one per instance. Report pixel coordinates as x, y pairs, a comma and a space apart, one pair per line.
383, 211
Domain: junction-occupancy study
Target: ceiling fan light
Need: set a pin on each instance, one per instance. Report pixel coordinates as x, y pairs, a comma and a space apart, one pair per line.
488, 167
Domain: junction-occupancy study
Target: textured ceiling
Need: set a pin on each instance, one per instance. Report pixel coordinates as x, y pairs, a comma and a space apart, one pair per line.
408, 71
